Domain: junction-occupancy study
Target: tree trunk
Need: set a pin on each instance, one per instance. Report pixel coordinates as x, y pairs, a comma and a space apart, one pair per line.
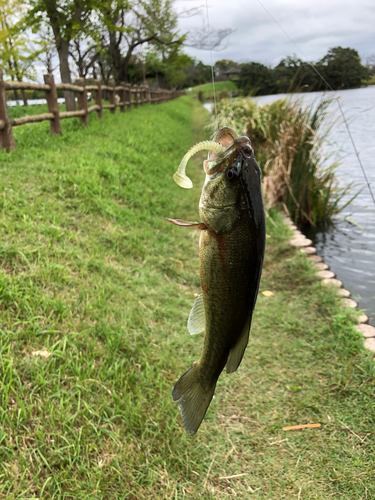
115, 55
63, 51
24, 98
123, 68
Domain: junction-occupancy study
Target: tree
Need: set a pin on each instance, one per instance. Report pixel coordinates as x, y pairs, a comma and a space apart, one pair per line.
84, 52
256, 79
196, 73
125, 26
47, 48
294, 75
16, 56
370, 65
342, 68
168, 71
224, 65
67, 18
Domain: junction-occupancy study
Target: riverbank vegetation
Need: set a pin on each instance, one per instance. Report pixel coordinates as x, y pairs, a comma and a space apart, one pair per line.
95, 291
289, 139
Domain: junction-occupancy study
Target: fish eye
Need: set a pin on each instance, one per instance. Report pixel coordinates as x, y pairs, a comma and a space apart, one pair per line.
247, 150
231, 174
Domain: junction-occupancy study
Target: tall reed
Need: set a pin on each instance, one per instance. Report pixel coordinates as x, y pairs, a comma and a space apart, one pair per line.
289, 140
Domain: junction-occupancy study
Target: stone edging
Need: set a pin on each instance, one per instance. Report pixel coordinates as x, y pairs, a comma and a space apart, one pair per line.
328, 278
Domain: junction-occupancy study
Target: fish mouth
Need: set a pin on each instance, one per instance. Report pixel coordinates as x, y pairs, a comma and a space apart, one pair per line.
214, 164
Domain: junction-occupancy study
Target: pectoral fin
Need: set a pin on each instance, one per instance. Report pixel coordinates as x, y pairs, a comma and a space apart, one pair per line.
237, 352
186, 223
196, 321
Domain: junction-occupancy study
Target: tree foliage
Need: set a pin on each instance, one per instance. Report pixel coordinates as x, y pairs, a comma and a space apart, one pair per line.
67, 18
17, 56
224, 65
196, 73
341, 68
122, 27
256, 79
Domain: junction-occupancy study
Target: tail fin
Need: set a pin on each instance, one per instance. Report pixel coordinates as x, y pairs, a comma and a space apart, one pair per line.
193, 398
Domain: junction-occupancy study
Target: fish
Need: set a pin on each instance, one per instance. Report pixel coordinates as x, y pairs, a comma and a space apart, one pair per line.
232, 246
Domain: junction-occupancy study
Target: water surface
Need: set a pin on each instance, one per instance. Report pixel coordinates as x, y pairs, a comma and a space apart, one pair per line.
349, 247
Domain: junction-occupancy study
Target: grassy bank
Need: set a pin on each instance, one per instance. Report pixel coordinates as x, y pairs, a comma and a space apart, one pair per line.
95, 290
222, 90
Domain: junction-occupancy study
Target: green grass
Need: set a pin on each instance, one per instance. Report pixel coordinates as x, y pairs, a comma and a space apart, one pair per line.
207, 87
32, 109
205, 91
92, 274
370, 81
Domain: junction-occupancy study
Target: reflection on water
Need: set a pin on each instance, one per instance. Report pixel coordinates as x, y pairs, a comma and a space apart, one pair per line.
349, 248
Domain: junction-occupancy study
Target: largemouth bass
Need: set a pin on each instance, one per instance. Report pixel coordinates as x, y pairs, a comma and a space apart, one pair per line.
232, 244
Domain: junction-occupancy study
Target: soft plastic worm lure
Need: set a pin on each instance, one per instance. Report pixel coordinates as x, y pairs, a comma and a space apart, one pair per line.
180, 176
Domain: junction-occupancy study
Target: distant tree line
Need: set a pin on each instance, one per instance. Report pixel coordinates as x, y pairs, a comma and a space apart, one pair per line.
341, 68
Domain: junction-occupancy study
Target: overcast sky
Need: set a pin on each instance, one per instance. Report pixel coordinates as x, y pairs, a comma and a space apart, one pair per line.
314, 25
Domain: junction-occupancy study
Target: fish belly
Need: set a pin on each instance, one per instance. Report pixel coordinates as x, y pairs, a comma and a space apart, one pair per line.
230, 267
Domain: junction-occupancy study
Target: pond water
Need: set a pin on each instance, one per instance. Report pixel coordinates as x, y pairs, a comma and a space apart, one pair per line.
349, 247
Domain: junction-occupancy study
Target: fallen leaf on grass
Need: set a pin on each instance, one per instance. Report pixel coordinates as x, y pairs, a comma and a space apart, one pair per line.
267, 293
43, 354
301, 426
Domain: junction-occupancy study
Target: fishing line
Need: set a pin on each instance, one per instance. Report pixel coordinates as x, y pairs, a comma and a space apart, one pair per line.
212, 67
336, 98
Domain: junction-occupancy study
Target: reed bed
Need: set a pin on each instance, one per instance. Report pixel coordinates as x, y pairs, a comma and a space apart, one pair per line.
289, 141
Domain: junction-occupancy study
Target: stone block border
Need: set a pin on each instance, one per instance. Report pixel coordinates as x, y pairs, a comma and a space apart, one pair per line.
328, 278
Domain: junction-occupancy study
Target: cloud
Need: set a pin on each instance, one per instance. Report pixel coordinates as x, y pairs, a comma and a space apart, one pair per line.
314, 25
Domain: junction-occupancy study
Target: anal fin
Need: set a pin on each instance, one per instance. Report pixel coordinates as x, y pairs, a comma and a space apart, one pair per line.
237, 352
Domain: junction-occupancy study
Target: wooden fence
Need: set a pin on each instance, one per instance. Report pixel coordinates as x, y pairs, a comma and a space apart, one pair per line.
122, 96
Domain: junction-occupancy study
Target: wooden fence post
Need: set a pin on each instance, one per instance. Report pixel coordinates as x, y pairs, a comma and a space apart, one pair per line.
112, 99
123, 97
144, 99
6, 134
135, 90
82, 101
128, 96
53, 105
98, 99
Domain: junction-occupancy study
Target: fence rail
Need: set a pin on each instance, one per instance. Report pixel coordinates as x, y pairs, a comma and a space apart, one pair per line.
121, 96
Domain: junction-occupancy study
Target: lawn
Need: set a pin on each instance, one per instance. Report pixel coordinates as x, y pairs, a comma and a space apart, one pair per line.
207, 87
206, 93
95, 291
